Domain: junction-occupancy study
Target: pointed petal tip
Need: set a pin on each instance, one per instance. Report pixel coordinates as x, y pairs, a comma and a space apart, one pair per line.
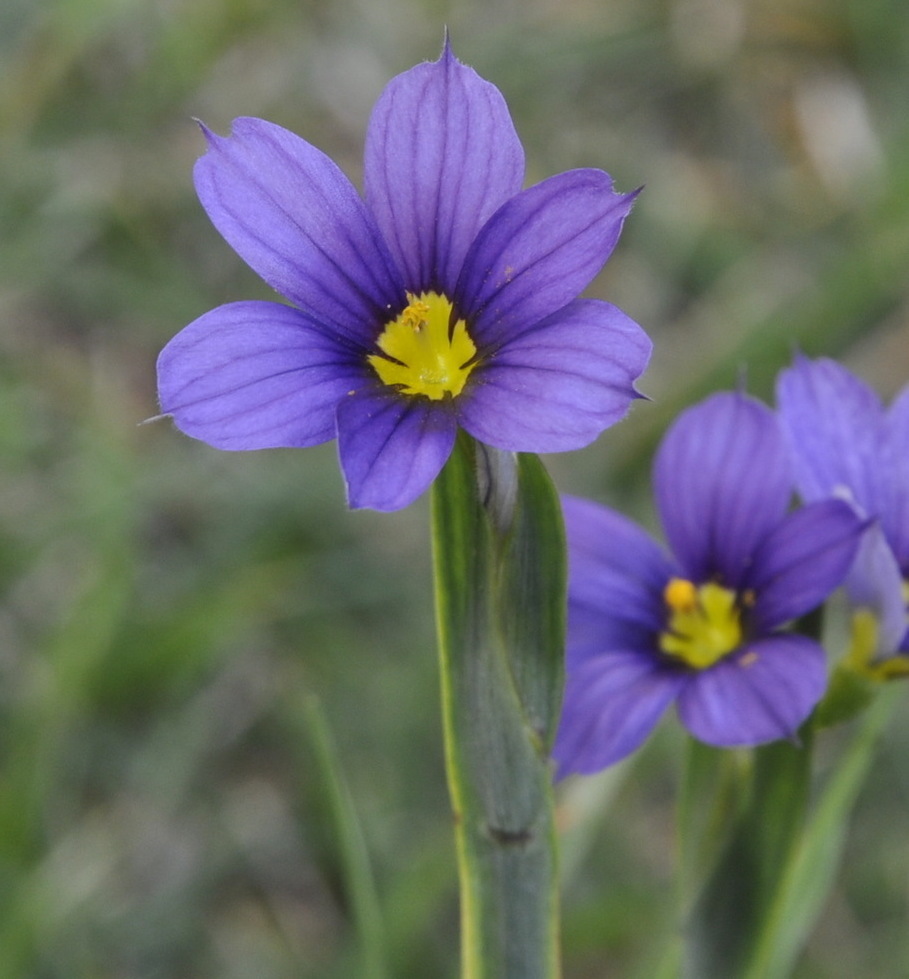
211, 137
447, 55
637, 394
154, 418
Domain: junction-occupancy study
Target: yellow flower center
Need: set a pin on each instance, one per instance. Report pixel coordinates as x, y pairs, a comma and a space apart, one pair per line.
860, 657
704, 623
424, 354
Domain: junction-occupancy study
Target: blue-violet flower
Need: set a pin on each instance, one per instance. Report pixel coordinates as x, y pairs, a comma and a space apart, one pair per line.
447, 298
702, 626
845, 444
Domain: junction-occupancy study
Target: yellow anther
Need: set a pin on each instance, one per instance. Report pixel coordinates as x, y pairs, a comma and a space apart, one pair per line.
415, 314
681, 595
704, 622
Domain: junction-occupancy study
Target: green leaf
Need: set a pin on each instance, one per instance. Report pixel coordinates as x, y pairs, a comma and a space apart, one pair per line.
358, 881
848, 694
531, 603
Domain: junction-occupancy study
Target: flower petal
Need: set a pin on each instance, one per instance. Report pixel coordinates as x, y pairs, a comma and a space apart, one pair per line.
294, 217
722, 482
894, 468
556, 387
616, 577
802, 560
256, 375
612, 702
761, 694
441, 156
538, 252
832, 422
392, 446
875, 582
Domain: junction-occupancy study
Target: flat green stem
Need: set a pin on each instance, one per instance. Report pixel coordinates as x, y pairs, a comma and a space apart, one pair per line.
499, 573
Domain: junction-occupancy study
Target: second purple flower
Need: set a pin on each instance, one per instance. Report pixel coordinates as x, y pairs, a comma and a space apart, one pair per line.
702, 626
446, 299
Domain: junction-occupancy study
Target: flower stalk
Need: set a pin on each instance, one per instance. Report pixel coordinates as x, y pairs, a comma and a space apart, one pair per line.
499, 563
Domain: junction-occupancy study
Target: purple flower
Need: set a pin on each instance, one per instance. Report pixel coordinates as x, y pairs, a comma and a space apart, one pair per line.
702, 626
845, 444
446, 299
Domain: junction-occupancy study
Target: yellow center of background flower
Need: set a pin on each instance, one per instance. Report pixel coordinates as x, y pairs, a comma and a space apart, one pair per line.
861, 656
704, 623
424, 354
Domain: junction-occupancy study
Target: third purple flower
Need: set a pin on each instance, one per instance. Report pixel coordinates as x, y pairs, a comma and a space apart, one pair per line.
845, 443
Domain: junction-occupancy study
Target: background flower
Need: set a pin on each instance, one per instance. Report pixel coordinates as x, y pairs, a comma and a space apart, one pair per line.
702, 626
845, 444
448, 298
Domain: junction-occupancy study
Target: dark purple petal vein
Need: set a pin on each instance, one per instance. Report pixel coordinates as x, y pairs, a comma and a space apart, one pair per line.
392, 446
292, 215
256, 375
722, 482
612, 702
558, 386
441, 156
538, 252
760, 695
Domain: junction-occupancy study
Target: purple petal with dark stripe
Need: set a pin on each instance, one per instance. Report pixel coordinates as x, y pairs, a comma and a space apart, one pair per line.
722, 483
876, 583
441, 156
537, 253
833, 425
612, 702
256, 375
294, 217
895, 468
616, 577
558, 386
763, 694
802, 560
391, 446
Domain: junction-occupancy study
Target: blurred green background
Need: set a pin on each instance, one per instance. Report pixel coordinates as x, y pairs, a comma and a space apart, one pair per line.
168, 609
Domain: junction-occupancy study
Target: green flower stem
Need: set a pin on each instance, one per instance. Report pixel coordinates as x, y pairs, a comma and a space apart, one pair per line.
780, 858
499, 559
735, 858
811, 869
729, 914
